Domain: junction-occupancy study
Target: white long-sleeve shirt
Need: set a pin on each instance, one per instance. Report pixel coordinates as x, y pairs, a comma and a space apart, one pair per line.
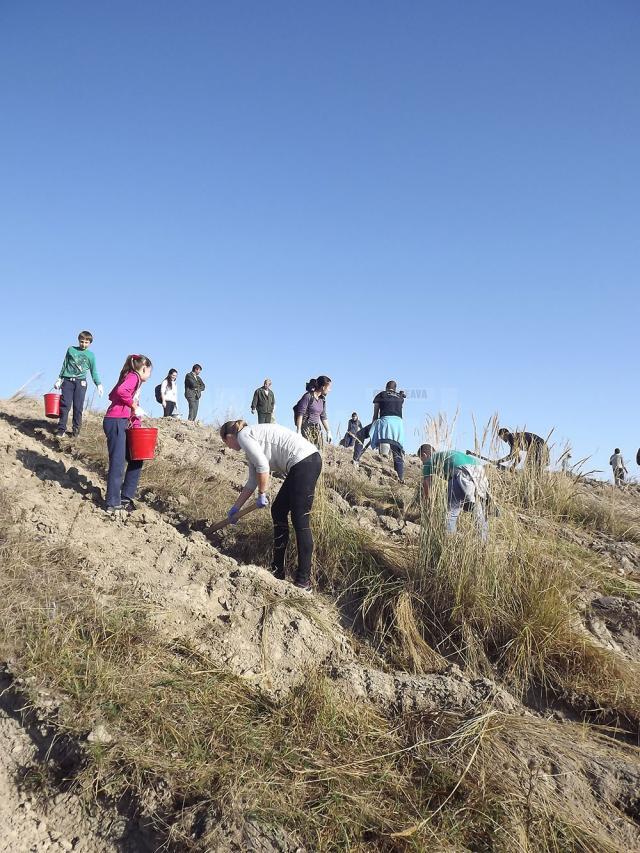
271, 447
168, 394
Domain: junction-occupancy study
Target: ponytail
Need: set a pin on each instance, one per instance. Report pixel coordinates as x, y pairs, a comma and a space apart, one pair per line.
231, 428
133, 364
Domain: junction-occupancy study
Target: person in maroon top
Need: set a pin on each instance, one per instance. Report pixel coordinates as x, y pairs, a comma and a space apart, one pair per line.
310, 412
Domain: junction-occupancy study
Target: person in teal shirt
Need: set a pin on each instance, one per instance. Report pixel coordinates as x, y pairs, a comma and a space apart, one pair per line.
72, 380
467, 484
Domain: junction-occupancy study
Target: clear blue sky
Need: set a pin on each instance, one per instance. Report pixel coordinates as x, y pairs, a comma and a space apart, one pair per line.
447, 194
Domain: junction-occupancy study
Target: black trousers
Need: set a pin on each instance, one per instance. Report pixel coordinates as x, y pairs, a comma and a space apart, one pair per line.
396, 451
168, 408
73, 394
296, 497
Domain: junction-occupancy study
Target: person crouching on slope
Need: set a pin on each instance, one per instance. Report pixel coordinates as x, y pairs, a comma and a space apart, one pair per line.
467, 484
271, 447
124, 413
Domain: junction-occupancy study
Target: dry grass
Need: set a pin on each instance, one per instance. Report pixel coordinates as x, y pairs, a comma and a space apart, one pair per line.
507, 610
336, 776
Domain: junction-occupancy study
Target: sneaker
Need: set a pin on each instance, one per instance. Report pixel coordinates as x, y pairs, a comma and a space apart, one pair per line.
128, 505
278, 574
59, 433
114, 510
75, 433
305, 587
355, 463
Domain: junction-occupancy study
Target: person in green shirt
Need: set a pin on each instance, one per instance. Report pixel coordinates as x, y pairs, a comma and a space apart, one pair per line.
73, 382
467, 484
264, 403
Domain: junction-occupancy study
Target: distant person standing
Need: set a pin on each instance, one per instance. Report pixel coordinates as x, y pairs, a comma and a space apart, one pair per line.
264, 403
387, 427
169, 394
73, 382
567, 463
619, 468
310, 412
193, 388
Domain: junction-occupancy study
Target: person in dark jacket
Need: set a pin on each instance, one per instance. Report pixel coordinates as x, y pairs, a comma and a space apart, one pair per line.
193, 388
534, 446
264, 403
310, 412
354, 425
386, 427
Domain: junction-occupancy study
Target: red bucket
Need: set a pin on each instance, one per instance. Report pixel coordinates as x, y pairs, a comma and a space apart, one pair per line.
141, 442
52, 405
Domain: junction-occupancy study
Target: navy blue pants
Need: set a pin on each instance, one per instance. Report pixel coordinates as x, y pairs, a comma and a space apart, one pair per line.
120, 486
73, 394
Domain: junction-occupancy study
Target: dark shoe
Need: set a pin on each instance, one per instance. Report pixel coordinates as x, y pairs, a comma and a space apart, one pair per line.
75, 433
279, 574
128, 505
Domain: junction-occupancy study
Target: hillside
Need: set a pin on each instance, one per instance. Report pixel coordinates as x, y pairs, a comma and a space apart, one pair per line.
161, 687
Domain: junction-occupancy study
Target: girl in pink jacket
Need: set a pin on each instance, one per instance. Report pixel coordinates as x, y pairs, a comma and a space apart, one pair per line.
123, 413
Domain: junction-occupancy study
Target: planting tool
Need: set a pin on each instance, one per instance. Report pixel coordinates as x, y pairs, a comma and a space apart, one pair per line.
225, 521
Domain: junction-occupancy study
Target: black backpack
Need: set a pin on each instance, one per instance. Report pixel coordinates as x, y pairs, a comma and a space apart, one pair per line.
158, 393
638, 457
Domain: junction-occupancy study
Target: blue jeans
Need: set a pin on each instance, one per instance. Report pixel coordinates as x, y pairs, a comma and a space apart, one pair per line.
73, 394
396, 451
120, 485
458, 500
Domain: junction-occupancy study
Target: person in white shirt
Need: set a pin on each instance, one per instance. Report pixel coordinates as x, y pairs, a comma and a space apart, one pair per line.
169, 394
619, 468
271, 447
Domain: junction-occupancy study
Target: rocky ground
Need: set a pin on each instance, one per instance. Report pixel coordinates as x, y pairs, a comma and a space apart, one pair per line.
257, 628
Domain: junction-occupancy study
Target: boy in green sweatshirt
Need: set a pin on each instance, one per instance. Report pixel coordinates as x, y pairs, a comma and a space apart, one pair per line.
73, 382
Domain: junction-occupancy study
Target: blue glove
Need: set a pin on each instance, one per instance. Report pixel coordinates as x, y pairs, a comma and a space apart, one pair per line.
262, 501
232, 515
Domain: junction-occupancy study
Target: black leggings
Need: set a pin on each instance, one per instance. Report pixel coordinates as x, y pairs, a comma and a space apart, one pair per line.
296, 497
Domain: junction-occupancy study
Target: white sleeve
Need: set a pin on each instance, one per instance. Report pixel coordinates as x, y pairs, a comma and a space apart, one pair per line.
255, 455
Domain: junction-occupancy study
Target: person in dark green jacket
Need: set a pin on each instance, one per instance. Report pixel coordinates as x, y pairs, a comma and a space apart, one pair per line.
72, 380
264, 403
193, 388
